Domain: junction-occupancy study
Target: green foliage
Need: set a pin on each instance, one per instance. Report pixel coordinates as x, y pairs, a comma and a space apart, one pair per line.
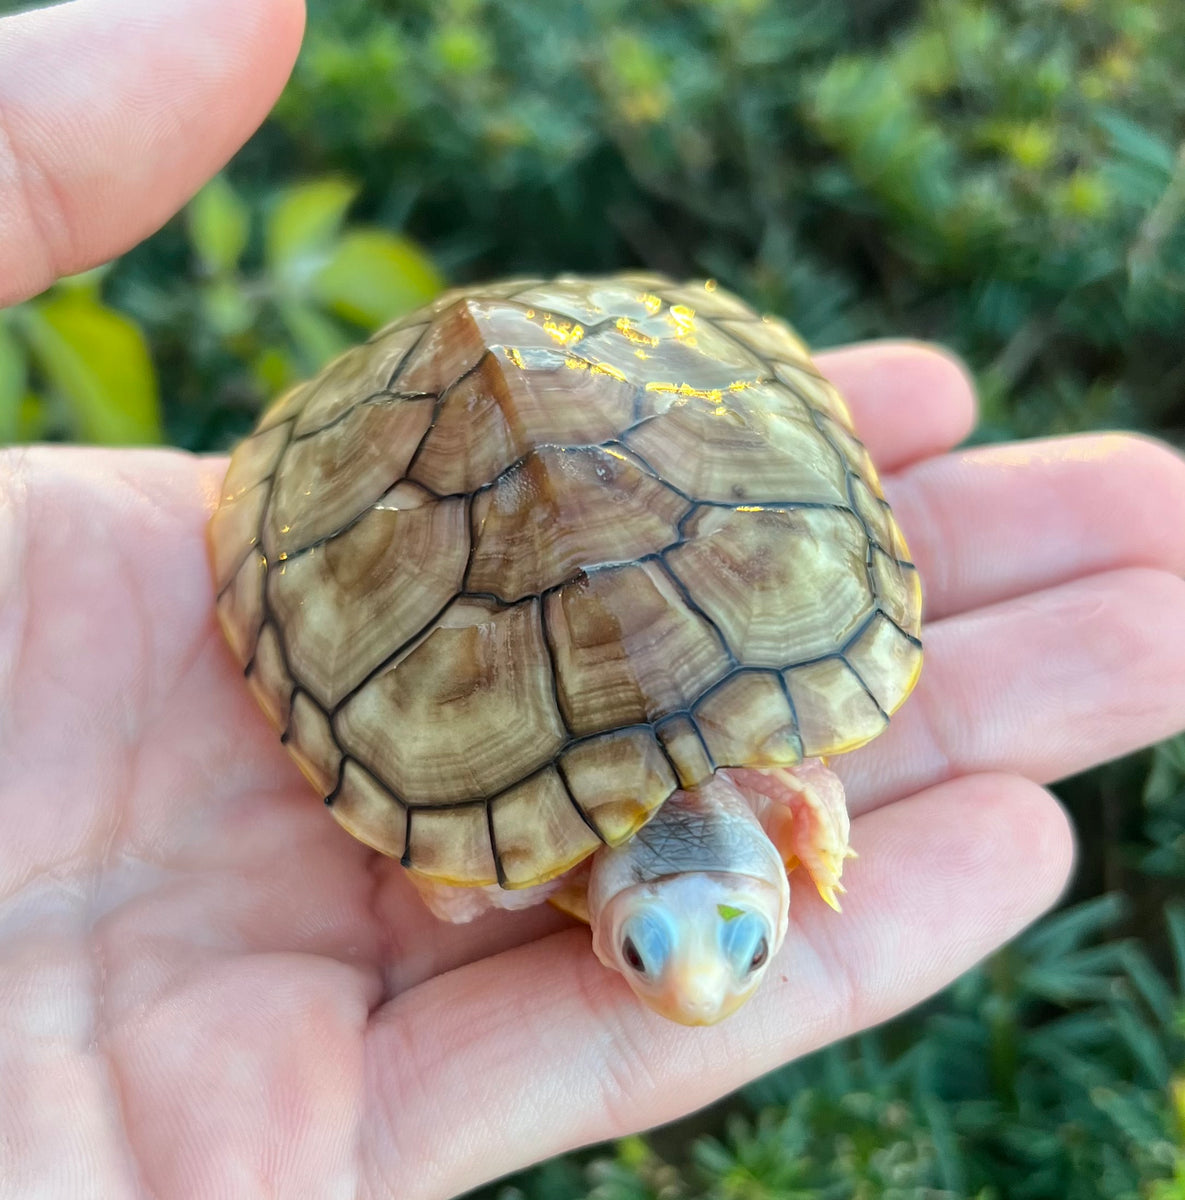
1164, 800
1004, 177
1007, 176
71, 366
282, 283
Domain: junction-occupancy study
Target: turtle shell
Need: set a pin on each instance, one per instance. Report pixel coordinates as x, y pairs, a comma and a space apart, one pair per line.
538, 554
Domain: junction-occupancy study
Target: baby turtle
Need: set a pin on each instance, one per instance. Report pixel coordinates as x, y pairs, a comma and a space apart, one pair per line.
566, 589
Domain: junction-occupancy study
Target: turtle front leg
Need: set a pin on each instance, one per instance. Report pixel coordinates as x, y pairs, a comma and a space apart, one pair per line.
803, 812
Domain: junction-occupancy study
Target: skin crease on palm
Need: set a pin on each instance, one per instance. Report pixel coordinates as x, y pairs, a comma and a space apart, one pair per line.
207, 989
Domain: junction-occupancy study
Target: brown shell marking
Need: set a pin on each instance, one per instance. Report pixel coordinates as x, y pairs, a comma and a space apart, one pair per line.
542, 551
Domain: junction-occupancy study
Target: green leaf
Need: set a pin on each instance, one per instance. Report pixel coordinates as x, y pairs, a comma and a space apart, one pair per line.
13, 382
373, 276
302, 227
228, 307
219, 225
315, 338
98, 362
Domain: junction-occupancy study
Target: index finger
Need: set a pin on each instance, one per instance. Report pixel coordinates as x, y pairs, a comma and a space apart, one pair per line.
909, 400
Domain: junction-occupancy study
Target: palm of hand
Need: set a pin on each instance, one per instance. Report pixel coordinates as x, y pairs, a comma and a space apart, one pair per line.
242, 993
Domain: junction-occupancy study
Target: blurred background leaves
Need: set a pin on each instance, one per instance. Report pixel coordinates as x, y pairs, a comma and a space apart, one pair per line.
1006, 176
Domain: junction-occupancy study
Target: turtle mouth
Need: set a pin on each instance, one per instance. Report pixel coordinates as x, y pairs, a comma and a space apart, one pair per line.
685, 1012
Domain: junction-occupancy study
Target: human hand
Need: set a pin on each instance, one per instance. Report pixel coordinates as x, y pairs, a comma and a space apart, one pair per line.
207, 988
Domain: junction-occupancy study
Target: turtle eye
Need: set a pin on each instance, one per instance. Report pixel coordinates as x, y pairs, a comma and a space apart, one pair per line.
759, 955
745, 940
630, 953
646, 943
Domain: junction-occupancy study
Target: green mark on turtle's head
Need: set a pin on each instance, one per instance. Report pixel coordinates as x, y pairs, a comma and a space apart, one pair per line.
728, 913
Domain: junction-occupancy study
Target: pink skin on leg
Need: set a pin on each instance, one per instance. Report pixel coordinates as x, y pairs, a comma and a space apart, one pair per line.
803, 812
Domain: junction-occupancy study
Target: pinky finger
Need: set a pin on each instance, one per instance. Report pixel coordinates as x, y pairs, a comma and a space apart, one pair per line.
539, 1049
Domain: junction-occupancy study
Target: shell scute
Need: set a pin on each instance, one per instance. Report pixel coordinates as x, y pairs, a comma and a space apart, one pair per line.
560, 511
618, 780
331, 477
757, 446
748, 721
628, 649
538, 831
354, 377
467, 712
781, 585
346, 605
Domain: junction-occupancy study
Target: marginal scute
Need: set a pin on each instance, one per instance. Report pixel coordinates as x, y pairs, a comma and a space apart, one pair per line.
268, 678
355, 376
898, 589
452, 845
896, 546
311, 743
871, 511
330, 478
769, 337
284, 409
467, 712
887, 661
364, 808
781, 585
537, 830
253, 460
628, 649
234, 531
853, 450
618, 780
348, 605
563, 510
240, 606
835, 712
685, 748
747, 721
815, 390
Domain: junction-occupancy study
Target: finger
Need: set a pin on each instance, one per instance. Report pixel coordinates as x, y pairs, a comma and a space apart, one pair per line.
908, 400
994, 522
1043, 686
542, 1049
114, 112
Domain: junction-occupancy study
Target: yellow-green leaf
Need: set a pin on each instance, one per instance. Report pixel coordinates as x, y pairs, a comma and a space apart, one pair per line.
302, 226
13, 381
97, 361
228, 307
373, 276
315, 338
219, 225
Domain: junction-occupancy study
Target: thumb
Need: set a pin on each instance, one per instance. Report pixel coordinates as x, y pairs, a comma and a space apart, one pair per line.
114, 112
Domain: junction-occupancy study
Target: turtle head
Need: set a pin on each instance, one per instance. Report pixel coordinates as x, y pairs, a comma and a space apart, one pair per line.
693, 946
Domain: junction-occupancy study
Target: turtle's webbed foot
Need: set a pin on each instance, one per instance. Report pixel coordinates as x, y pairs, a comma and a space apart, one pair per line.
805, 815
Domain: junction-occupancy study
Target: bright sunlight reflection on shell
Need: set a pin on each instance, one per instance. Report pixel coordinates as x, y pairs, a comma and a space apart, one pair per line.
541, 552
